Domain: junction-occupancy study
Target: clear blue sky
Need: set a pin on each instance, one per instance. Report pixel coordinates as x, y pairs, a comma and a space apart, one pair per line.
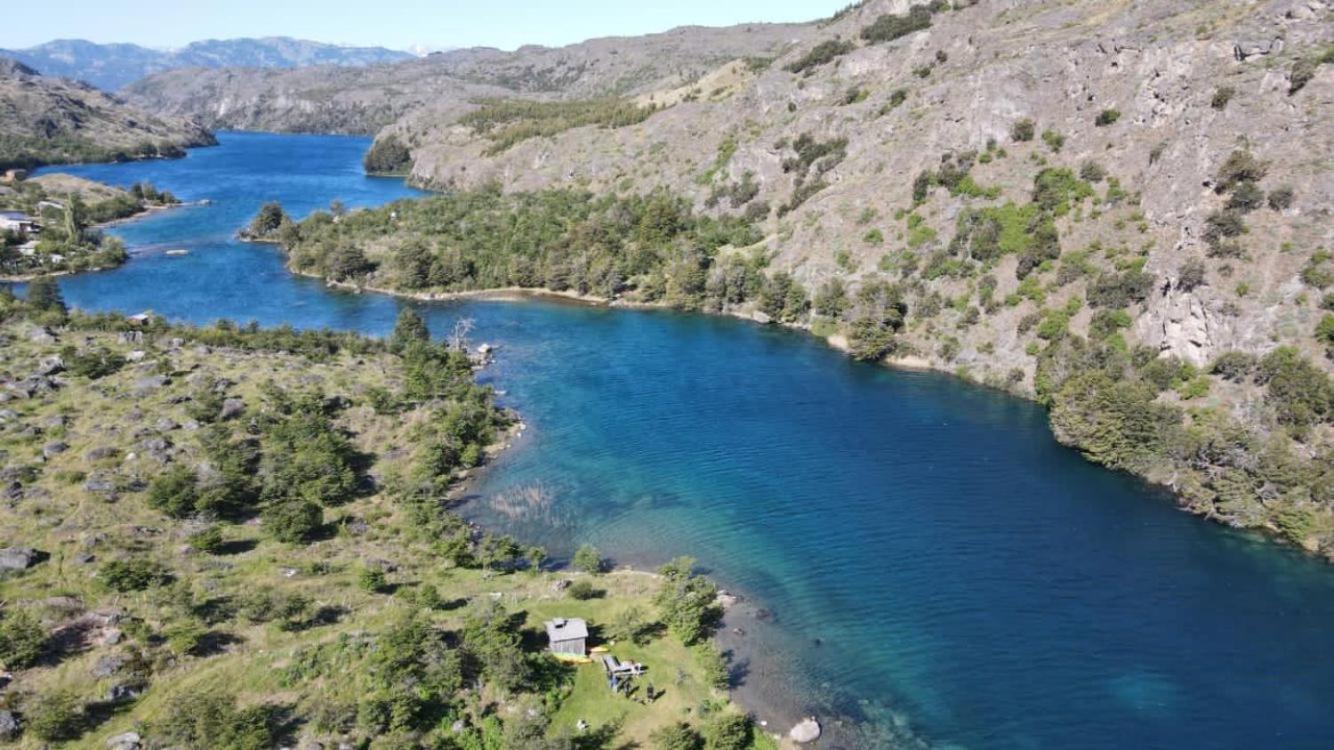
391, 23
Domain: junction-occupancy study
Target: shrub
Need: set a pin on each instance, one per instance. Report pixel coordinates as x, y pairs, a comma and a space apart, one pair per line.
678, 736
1280, 198
134, 574
631, 625
55, 717
211, 719
1240, 166
209, 541
1120, 290
821, 54
174, 492
94, 363
1191, 274
728, 731
1054, 140
1221, 224
1234, 366
1301, 393
1092, 171
22, 639
1324, 331
387, 155
582, 590
1222, 95
588, 559
1023, 130
293, 521
1107, 117
264, 604
372, 580
508, 122
714, 665
1246, 196
892, 26
1301, 74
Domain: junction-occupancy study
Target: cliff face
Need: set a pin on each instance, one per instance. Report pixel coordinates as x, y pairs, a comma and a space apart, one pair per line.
46, 120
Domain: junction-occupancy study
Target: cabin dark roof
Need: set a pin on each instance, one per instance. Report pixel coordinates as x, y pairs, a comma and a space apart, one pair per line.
561, 629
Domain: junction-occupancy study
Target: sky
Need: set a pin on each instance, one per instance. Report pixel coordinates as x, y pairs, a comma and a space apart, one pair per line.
398, 24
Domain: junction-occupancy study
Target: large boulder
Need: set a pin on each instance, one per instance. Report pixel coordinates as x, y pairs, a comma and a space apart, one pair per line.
805, 732
9, 726
19, 558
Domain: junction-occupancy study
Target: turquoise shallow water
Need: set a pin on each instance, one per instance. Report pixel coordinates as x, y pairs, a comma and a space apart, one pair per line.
929, 554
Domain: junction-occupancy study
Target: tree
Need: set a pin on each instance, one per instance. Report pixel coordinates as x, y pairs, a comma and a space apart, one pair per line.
293, 521
408, 328
387, 155
687, 602
133, 574
22, 639
44, 296
588, 559
56, 716
270, 218
174, 492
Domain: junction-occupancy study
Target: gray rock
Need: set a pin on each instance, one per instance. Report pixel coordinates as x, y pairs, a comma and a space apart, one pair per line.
55, 448
166, 425
9, 726
18, 558
126, 741
102, 454
124, 692
41, 336
144, 386
805, 732
8, 415
231, 408
109, 665
50, 365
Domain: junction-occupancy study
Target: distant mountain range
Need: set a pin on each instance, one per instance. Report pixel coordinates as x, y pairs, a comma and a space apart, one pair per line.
112, 66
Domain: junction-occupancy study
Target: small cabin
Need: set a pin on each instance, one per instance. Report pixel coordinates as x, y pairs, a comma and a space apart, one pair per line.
567, 637
17, 221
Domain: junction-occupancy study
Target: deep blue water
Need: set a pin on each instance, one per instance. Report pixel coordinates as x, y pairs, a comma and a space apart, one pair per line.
932, 557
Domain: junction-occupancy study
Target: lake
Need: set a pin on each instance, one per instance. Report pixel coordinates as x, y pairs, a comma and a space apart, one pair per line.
916, 553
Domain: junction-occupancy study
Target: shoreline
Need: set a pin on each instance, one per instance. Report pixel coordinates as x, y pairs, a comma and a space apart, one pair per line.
773, 712
143, 213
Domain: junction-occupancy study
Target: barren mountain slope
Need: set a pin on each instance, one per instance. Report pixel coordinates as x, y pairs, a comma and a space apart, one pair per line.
363, 100
45, 120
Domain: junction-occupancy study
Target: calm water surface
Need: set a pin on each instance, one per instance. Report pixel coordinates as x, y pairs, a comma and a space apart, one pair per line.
932, 561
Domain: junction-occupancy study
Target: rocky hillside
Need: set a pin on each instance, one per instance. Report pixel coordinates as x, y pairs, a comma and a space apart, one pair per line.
364, 100
1120, 209
48, 120
112, 66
